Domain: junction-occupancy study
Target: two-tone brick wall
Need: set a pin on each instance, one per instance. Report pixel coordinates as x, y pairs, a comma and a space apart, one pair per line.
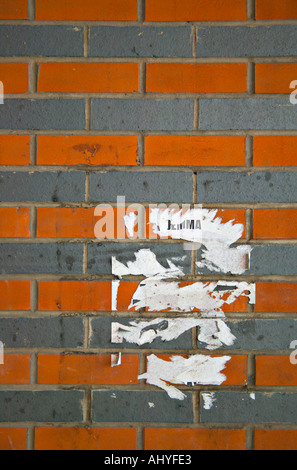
160, 101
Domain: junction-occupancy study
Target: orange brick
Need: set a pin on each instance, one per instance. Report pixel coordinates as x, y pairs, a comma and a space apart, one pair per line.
275, 371
276, 297
16, 369
89, 150
14, 77
275, 439
227, 215
194, 151
16, 10
195, 10
196, 78
61, 438
275, 151
275, 223
89, 10
13, 438
235, 370
194, 439
14, 149
88, 78
75, 295
14, 222
14, 295
274, 78
276, 10
92, 369
83, 223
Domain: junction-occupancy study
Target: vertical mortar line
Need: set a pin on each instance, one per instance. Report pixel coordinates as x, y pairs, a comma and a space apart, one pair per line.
33, 149
87, 406
31, 10
194, 36
34, 296
251, 9
196, 407
250, 431
251, 370
33, 76
34, 368
250, 77
88, 113
140, 149
86, 41
142, 89
196, 115
249, 143
141, 10
31, 437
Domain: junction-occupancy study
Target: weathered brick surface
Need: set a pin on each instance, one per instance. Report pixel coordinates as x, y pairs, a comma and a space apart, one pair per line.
167, 102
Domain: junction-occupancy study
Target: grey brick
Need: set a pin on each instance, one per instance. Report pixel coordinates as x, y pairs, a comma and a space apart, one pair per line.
155, 187
42, 186
45, 40
133, 406
217, 187
144, 41
41, 406
238, 407
247, 41
56, 114
101, 336
264, 260
247, 113
48, 332
100, 254
27, 258
142, 114
261, 335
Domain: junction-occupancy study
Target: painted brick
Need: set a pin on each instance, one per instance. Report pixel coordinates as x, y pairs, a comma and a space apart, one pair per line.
13, 438
100, 336
42, 186
172, 150
275, 224
260, 335
274, 10
14, 222
276, 297
88, 78
57, 114
41, 258
274, 150
217, 187
133, 406
62, 438
196, 78
15, 295
269, 260
82, 222
159, 187
86, 369
74, 295
242, 113
244, 41
193, 10
14, 149
143, 114
44, 40
41, 406
275, 439
274, 78
48, 332
16, 10
275, 371
99, 255
14, 77
144, 41
238, 407
107, 10
16, 369
194, 439
90, 150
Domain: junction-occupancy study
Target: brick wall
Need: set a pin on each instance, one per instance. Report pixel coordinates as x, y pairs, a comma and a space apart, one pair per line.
160, 102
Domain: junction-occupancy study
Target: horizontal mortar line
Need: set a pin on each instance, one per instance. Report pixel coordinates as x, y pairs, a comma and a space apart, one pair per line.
79, 240
125, 23
136, 95
144, 59
146, 133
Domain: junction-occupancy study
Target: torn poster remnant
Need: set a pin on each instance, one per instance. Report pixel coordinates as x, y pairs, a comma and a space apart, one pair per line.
194, 370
